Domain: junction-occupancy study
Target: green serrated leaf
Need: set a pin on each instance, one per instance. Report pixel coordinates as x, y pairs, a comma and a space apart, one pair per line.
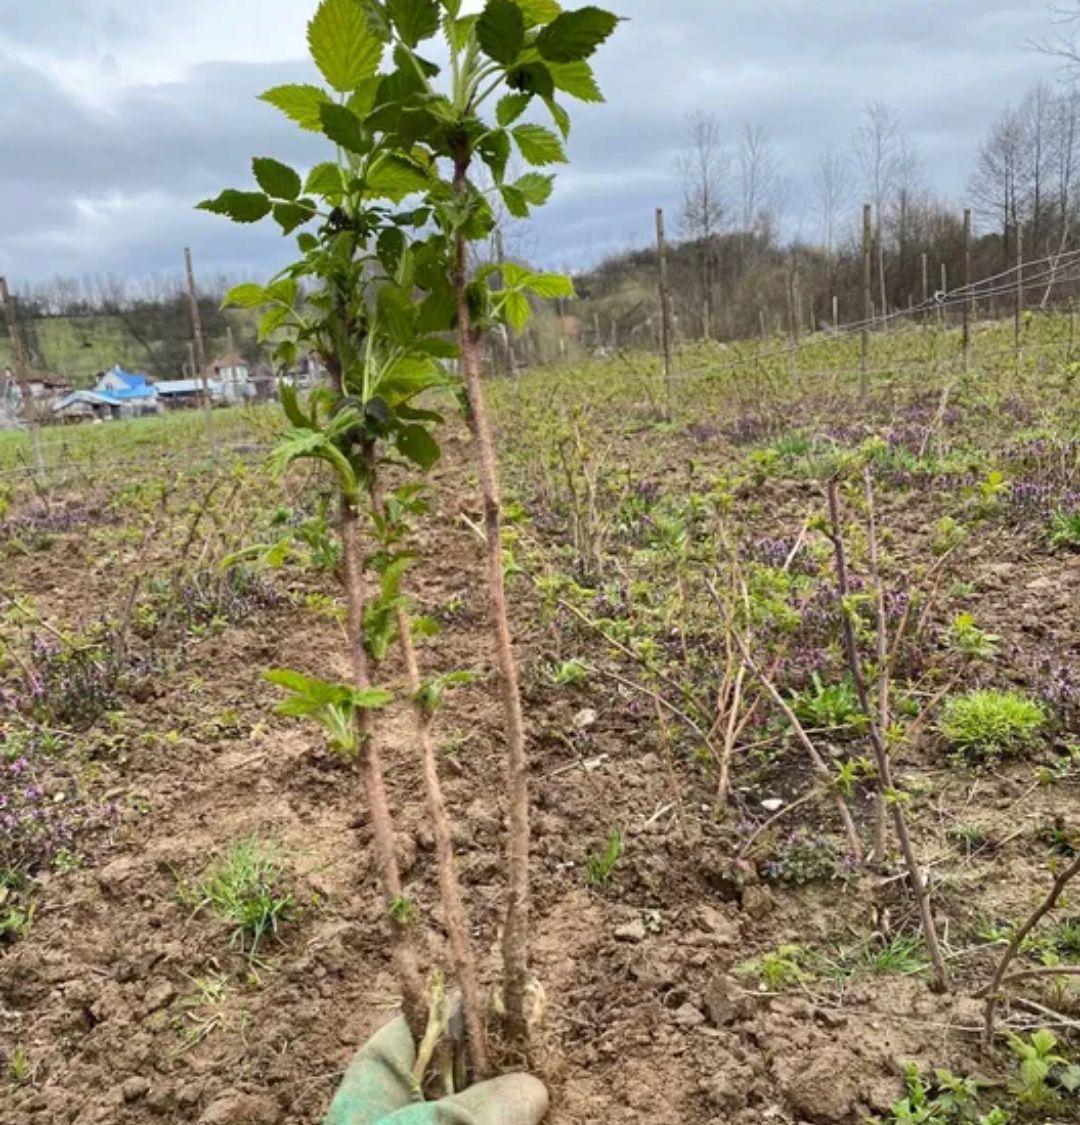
394, 177
516, 310
417, 444
240, 206
408, 377
325, 180
511, 107
459, 30
344, 128
550, 285
415, 20
437, 312
390, 248
289, 216
576, 79
535, 187
246, 296
272, 320
537, 12
396, 314
278, 180
362, 100
494, 149
532, 78
343, 45
514, 201
500, 31
539, 145
573, 36
559, 116
300, 103
370, 699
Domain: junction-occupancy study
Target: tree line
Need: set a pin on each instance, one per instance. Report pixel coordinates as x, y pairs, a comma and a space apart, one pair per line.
733, 275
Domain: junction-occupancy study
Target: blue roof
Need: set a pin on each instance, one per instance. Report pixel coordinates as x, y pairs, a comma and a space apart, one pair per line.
127, 377
143, 391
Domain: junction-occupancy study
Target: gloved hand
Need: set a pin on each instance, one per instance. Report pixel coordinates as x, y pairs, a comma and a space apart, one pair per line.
377, 1090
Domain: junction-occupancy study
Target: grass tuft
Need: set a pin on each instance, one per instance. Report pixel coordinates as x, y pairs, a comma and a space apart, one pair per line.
987, 724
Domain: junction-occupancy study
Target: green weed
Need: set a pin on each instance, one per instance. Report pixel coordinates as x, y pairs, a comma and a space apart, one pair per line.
945, 1099
831, 707
779, 969
248, 889
986, 723
600, 866
1065, 529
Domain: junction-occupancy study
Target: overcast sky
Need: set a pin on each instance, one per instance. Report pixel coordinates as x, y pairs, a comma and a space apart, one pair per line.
117, 116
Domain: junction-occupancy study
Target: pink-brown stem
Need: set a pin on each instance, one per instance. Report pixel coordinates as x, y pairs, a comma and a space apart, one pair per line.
515, 943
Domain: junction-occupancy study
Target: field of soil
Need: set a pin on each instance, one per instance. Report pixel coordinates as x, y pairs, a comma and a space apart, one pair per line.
731, 963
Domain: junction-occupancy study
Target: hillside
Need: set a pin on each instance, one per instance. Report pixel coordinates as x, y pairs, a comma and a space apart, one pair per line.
149, 338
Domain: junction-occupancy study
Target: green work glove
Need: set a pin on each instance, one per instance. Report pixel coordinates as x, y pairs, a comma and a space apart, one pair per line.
377, 1090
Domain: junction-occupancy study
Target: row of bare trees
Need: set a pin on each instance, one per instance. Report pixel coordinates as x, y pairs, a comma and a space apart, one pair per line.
733, 276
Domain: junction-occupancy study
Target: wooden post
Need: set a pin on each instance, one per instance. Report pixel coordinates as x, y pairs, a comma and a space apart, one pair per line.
926, 286
232, 365
868, 304
967, 286
944, 292
881, 263
836, 313
199, 353
29, 407
665, 307
1018, 327
793, 300
762, 329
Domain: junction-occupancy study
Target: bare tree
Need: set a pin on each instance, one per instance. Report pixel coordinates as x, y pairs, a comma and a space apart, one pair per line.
705, 171
833, 192
997, 183
1064, 150
1036, 123
879, 149
761, 185
1064, 43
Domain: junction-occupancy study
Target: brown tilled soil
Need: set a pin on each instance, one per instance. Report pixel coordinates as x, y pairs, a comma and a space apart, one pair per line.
646, 1020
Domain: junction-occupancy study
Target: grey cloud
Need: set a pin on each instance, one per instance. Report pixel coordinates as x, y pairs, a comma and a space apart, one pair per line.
804, 71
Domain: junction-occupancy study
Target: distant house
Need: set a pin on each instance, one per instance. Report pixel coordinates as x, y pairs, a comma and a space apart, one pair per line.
232, 376
265, 383
228, 380
178, 393
42, 387
117, 394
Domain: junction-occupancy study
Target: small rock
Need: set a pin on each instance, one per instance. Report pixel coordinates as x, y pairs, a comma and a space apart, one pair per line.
114, 875
689, 1016
123, 971
241, 1109
161, 1100
633, 931
159, 996
720, 1005
723, 930
757, 902
772, 804
134, 1089
818, 1087
585, 718
189, 1094
727, 1090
